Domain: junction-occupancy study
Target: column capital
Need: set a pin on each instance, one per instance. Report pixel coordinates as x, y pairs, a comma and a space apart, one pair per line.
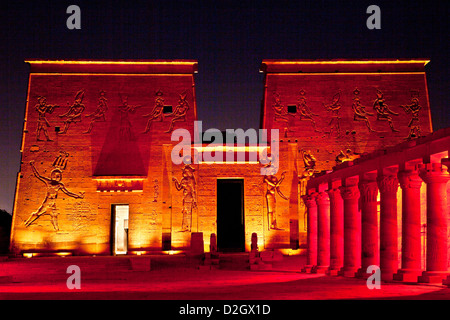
409, 179
387, 183
368, 190
349, 192
322, 198
334, 193
310, 199
433, 173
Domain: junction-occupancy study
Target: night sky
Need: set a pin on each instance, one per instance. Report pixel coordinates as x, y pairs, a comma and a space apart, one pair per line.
228, 38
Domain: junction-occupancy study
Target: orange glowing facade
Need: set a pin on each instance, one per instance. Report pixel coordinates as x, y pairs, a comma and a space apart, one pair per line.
97, 176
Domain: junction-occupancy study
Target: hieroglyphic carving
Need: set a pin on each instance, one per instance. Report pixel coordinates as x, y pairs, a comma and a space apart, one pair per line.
125, 125
413, 109
359, 111
179, 114
383, 111
156, 190
79, 214
53, 185
334, 108
273, 188
188, 185
157, 112
42, 123
73, 115
304, 111
100, 113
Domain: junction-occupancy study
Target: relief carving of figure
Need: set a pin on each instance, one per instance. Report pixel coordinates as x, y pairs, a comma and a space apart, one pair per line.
383, 111
125, 125
99, 113
280, 112
414, 123
74, 113
273, 188
42, 124
188, 186
348, 155
48, 205
359, 111
157, 112
179, 114
334, 108
304, 111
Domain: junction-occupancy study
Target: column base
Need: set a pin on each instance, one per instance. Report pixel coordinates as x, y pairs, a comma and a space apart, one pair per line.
446, 282
321, 269
309, 269
333, 271
387, 275
362, 274
433, 276
348, 272
407, 275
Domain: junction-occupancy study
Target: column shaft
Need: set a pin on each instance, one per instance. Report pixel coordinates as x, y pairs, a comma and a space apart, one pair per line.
336, 231
323, 231
369, 225
388, 185
311, 256
352, 231
436, 178
410, 183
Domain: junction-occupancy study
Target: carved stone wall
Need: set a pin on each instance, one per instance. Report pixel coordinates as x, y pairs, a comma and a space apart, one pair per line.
87, 120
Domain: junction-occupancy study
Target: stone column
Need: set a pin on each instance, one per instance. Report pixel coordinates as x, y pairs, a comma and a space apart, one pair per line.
311, 256
436, 178
388, 185
369, 226
323, 232
336, 231
352, 231
410, 183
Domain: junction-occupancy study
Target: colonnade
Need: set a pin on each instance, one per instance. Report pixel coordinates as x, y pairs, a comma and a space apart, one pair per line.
345, 235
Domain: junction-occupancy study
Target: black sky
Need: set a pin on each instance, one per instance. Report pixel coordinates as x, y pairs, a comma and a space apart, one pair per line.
228, 38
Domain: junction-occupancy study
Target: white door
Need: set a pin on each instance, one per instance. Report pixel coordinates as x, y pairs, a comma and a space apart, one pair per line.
121, 229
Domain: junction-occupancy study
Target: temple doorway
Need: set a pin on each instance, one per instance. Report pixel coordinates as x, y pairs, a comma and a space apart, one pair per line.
230, 215
119, 218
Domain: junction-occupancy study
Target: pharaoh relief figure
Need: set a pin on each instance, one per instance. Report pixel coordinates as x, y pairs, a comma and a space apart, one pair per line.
74, 113
280, 112
413, 109
100, 113
188, 186
53, 186
383, 111
273, 188
42, 123
179, 114
157, 112
125, 125
334, 108
304, 111
359, 111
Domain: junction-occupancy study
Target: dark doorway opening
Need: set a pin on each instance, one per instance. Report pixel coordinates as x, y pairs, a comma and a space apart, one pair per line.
230, 215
